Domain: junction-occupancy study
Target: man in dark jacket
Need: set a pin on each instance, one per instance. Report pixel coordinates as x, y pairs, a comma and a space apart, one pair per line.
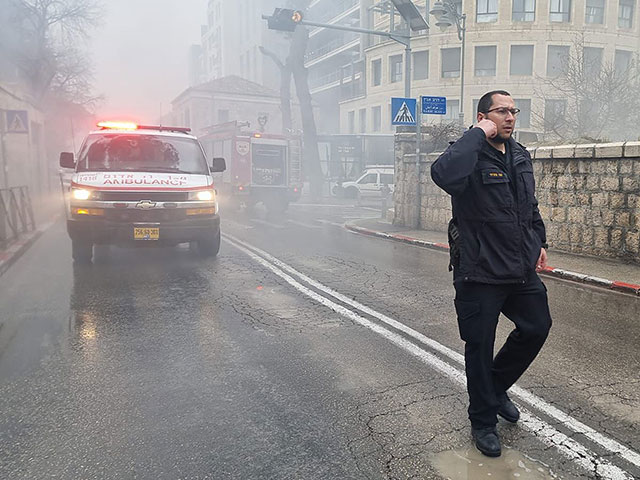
498, 243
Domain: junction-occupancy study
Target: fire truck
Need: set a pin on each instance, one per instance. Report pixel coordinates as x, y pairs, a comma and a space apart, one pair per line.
261, 167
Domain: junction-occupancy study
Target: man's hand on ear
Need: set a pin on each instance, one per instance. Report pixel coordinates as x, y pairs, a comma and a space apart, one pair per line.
490, 129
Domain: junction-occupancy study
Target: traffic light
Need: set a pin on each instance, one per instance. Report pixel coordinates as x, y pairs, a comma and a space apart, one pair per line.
285, 19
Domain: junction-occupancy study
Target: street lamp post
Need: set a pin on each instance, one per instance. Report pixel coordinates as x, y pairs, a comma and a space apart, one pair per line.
446, 14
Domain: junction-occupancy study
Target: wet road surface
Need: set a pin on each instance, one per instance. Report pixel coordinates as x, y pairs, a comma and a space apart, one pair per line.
302, 351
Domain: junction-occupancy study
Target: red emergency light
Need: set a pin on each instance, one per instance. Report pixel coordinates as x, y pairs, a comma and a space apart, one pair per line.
135, 126
118, 125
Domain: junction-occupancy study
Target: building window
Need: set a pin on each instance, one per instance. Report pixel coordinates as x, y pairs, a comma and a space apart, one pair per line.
376, 112
421, 65
560, 11
363, 120
351, 121
557, 58
376, 72
521, 62
453, 107
554, 111
625, 13
450, 62
485, 61
594, 12
395, 68
486, 11
223, 116
622, 62
524, 117
458, 5
524, 10
476, 101
592, 60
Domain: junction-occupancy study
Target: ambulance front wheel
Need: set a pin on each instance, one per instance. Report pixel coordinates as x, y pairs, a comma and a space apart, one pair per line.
209, 246
81, 251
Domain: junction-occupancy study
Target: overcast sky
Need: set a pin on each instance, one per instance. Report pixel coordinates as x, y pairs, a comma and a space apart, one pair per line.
140, 55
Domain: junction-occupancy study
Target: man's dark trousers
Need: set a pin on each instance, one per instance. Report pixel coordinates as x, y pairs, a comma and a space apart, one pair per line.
478, 306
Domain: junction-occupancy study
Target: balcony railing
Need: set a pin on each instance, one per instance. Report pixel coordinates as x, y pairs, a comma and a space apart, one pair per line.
335, 10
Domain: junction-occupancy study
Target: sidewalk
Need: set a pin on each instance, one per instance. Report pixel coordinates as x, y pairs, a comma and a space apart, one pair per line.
605, 273
14, 249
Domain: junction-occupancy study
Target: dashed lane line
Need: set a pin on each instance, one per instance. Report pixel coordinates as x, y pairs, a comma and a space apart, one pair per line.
548, 434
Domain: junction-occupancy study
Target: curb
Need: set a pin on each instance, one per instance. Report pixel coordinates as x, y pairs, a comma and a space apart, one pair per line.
628, 288
15, 249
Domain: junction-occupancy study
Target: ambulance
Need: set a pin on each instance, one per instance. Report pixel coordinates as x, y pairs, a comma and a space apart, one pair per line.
137, 185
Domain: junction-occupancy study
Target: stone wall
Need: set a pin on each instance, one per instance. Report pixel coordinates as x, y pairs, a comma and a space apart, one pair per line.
589, 195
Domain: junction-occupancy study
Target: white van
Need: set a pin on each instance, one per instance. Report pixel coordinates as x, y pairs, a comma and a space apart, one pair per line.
370, 184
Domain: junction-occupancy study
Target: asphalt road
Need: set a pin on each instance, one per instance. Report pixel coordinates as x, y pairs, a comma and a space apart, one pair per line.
302, 351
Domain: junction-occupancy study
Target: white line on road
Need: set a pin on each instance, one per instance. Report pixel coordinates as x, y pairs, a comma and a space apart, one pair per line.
268, 224
329, 222
549, 435
302, 224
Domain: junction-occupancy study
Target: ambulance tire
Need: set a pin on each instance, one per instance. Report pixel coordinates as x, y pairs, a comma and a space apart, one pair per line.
82, 252
209, 246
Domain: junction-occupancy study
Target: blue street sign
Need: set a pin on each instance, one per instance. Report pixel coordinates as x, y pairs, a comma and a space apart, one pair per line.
16, 121
434, 105
403, 111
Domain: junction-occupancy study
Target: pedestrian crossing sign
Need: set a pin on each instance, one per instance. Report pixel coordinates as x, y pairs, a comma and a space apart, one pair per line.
16, 121
403, 111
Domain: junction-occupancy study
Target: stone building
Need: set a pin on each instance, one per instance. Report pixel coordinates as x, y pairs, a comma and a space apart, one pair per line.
227, 99
510, 45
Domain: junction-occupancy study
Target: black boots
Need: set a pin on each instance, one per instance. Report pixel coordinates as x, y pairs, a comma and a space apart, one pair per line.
507, 409
487, 441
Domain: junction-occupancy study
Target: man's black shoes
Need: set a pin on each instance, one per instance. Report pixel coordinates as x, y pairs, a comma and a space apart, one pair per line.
507, 409
487, 441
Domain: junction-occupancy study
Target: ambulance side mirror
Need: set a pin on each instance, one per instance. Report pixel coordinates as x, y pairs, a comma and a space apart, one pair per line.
218, 165
67, 160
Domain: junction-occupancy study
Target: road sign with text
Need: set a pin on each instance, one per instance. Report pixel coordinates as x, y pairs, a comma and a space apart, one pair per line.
434, 105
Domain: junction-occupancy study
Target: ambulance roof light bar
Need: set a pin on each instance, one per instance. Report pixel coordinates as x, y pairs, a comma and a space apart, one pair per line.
134, 126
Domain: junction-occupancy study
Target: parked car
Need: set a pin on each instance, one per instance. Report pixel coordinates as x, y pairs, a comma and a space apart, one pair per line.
371, 183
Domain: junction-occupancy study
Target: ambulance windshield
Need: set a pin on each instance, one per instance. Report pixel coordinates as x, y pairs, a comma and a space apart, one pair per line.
141, 153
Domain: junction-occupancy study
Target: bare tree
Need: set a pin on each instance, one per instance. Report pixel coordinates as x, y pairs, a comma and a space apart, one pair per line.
436, 136
42, 37
590, 99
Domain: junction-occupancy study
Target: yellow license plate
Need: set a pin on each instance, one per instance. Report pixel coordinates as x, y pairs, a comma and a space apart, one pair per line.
144, 233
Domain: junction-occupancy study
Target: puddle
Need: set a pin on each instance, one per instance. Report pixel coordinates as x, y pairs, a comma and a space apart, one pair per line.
470, 464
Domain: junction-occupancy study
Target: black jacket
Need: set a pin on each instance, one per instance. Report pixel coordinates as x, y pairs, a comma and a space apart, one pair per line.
500, 231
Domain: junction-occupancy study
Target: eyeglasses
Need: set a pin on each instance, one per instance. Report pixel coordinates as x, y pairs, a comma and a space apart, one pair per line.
504, 110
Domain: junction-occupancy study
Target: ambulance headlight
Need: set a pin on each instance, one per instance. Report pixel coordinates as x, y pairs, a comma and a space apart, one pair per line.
80, 193
203, 195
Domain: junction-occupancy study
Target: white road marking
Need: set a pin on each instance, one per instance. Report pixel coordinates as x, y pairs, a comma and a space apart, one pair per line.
329, 222
548, 434
302, 224
268, 224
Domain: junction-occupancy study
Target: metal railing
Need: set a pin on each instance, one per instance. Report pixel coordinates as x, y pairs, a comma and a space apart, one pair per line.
16, 214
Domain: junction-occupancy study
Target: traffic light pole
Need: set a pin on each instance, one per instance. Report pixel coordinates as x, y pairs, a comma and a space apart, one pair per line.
400, 38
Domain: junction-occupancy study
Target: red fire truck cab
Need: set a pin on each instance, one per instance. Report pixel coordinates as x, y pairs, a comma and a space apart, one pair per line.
261, 167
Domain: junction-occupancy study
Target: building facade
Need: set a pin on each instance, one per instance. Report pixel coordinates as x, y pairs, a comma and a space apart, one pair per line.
512, 45
231, 41
229, 99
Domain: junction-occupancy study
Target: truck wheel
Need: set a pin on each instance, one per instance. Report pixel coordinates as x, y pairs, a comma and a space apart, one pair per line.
277, 205
82, 252
351, 192
209, 246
